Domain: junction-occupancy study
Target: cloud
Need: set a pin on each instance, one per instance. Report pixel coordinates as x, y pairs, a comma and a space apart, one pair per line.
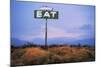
54, 32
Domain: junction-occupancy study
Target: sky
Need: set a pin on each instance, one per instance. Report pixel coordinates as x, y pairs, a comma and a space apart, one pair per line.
76, 22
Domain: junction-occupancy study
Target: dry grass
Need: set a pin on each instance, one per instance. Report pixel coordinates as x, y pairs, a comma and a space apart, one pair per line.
62, 54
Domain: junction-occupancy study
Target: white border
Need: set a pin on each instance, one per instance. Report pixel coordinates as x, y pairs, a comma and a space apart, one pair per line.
4, 33
84, 2
79, 64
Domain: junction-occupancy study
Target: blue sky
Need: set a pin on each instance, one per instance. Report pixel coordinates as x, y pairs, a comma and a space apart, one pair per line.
76, 22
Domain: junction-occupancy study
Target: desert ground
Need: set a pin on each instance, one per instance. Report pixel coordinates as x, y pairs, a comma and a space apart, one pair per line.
37, 55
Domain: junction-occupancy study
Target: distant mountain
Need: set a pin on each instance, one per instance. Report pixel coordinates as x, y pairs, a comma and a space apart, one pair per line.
87, 41
64, 41
71, 41
17, 42
41, 41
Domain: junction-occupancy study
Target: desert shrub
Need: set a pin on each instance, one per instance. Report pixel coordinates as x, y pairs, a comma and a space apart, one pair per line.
60, 50
35, 56
17, 54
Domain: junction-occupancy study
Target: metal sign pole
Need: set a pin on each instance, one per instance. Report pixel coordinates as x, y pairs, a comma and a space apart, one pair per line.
46, 46
45, 13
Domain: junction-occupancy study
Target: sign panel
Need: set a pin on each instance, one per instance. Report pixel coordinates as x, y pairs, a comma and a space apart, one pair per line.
45, 14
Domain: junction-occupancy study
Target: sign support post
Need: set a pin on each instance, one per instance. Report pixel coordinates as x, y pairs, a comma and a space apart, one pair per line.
46, 13
46, 46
